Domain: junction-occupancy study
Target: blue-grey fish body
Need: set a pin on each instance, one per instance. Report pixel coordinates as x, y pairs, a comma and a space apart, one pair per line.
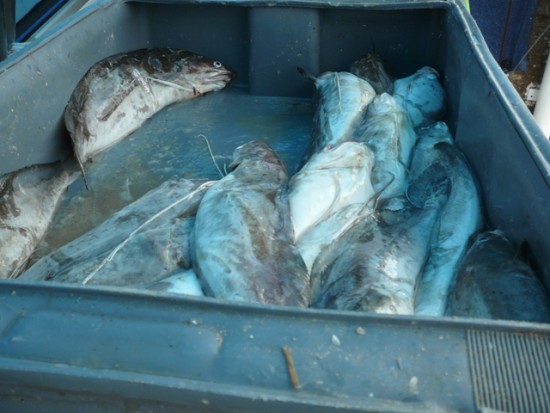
436, 158
388, 131
332, 179
371, 68
341, 100
422, 95
243, 247
492, 282
28, 200
146, 241
375, 265
184, 282
119, 93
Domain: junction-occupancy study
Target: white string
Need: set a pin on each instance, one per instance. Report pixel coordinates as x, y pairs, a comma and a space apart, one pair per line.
110, 257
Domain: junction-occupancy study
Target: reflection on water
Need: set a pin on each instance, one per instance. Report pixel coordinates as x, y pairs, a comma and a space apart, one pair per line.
169, 146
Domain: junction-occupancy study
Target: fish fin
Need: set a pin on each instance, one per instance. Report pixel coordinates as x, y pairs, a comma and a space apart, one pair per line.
305, 74
83, 175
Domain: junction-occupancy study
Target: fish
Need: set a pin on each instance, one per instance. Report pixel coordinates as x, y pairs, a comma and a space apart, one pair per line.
184, 282
144, 242
436, 157
341, 99
332, 179
422, 95
389, 133
493, 282
119, 93
375, 265
243, 248
371, 68
29, 198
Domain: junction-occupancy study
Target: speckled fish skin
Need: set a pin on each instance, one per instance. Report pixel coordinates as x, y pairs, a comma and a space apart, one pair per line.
371, 68
388, 131
422, 95
28, 200
437, 158
341, 100
243, 235
157, 250
375, 265
119, 93
492, 282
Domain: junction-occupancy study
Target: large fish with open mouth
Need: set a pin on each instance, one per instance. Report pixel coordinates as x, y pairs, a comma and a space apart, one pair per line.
331, 181
436, 157
341, 100
371, 68
243, 235
422, 95
119, 93
493, 282
143, 243
375, 265
28, 200
388, 131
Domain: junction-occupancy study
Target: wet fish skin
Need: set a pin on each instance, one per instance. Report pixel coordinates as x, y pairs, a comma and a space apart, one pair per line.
326, 195
492, 282
151, 250
28, 200
437, 159
389, 133
243, 235
340, 99
371, 68
422, 95
119, 93
183, 282
332, 179
375, 265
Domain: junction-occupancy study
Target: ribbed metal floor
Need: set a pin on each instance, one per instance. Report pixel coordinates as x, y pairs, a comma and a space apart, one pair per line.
510, 372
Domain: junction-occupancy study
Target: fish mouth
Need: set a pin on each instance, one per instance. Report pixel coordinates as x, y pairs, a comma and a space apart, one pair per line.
220, 76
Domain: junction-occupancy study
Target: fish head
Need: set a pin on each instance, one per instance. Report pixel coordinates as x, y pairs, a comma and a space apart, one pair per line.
187, 69
371, 68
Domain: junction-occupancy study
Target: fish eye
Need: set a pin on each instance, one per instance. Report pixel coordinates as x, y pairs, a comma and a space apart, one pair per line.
217, 64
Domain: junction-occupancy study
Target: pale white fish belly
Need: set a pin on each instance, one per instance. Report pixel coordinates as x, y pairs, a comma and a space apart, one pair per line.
346, 98
313, 241
331, 180
184, 282
342, 101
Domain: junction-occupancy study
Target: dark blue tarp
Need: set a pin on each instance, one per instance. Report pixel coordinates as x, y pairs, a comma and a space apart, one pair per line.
506, 26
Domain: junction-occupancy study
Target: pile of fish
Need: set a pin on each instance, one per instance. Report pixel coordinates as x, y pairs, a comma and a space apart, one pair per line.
378, 218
